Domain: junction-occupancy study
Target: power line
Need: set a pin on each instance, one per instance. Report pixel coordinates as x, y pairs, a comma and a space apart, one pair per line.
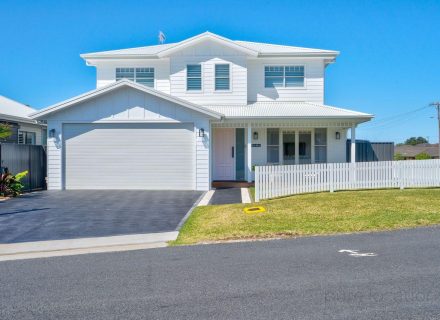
398, 117
437, 106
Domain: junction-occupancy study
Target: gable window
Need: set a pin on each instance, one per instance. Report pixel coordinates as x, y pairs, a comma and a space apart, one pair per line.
25, 137
194, 77
143, 76
283, 76
222, 81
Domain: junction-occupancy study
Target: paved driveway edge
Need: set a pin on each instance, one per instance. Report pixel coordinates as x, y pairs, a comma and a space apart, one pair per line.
85, 243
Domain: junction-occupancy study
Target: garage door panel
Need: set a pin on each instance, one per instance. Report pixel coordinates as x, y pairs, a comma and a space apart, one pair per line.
129, 156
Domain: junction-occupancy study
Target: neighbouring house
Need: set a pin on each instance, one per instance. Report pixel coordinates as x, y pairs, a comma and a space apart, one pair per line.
182, 115
409, 152
25, 130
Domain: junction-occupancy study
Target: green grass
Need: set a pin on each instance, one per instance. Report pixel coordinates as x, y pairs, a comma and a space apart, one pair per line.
314, 214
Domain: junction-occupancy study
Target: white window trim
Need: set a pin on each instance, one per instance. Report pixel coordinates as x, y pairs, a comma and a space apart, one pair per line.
283, 88
137, 66
201, 78
230, 78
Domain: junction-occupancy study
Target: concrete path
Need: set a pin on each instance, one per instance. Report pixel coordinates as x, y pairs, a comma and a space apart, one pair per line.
226, 196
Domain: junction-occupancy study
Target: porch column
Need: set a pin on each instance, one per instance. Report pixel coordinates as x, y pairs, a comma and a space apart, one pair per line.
249, 153
353, 144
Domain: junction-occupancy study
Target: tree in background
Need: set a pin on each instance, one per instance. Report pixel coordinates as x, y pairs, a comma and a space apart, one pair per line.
423, 156
5, 131
415, 140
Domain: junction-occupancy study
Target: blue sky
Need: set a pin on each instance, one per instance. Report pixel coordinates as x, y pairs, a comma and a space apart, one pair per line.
389, 63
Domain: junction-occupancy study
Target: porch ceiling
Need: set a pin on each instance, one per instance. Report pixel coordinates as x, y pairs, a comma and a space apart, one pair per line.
286, 123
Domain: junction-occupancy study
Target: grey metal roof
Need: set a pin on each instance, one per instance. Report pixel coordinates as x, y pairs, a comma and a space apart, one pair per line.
281, 109
261, 49
412, 151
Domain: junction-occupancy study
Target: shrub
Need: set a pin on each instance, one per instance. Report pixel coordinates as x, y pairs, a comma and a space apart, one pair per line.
423, 156
11, 185
399, 156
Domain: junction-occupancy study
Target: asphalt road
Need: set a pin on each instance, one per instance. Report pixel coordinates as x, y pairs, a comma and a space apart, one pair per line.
306, 278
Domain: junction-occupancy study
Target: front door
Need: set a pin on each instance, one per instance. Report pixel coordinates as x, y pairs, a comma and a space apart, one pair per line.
224, 154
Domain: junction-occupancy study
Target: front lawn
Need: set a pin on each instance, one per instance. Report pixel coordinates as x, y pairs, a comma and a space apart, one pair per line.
313, 214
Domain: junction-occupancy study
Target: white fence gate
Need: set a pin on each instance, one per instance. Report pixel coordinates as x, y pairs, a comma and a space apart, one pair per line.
282, 180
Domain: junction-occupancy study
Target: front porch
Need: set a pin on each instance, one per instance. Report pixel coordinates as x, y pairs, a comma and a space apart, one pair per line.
237, 147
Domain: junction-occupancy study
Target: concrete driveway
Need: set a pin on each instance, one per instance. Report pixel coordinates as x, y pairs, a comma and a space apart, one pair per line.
57, 215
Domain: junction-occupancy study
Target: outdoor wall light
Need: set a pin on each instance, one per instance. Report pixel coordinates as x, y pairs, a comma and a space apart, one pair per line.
201, 132
255, 135
338, 135
52, 133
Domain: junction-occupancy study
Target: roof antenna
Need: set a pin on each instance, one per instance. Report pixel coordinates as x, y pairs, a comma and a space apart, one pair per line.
161, 37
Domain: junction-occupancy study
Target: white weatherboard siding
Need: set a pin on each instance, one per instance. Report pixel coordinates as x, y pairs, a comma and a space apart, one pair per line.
128, 105
208, 54
129, 156
106, 71
313, 90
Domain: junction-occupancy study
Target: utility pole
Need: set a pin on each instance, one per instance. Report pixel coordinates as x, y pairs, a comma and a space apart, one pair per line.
437, 106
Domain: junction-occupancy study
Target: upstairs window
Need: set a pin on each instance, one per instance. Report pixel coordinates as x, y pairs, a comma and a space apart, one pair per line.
283, 76
222, 81
143, 76
194, 77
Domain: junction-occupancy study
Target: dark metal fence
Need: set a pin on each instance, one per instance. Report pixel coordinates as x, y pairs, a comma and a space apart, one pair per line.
20, 157
367, 151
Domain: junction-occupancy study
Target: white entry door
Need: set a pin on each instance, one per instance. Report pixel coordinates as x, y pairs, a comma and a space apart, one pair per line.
224, 154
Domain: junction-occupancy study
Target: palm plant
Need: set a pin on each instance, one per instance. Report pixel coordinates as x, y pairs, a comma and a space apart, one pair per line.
11, 185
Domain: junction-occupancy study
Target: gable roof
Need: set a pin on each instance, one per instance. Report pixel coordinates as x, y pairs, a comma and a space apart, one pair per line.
282, 110
40, 114
15, 111
255, 49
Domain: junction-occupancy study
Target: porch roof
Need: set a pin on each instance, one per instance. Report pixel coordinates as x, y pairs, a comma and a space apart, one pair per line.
283, 110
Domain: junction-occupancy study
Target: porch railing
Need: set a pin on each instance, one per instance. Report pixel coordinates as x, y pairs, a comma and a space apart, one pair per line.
283, 180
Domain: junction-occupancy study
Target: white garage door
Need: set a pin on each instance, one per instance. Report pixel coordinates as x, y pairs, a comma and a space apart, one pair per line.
129, 156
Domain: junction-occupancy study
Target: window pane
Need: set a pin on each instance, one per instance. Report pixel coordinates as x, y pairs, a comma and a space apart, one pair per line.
320, 154
273, 136
222, 70
194, 77
273, 82
146, 82
125, 73
222, 84
194, 84
321, 136
145, 76
295, 71
272, 71
273, 154
194, 70
294, 82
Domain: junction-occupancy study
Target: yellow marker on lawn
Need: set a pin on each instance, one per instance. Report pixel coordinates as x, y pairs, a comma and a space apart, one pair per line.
250, 210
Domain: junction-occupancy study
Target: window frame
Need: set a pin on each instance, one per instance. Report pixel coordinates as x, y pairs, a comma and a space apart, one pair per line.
201, 78
229, 78
272, 146
24, 134
304, 86
317, 146
135, 74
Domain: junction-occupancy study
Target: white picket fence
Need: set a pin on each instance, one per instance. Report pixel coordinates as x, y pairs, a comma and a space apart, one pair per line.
282, 180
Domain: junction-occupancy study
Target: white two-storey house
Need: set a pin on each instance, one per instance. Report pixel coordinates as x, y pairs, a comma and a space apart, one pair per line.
182, 115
